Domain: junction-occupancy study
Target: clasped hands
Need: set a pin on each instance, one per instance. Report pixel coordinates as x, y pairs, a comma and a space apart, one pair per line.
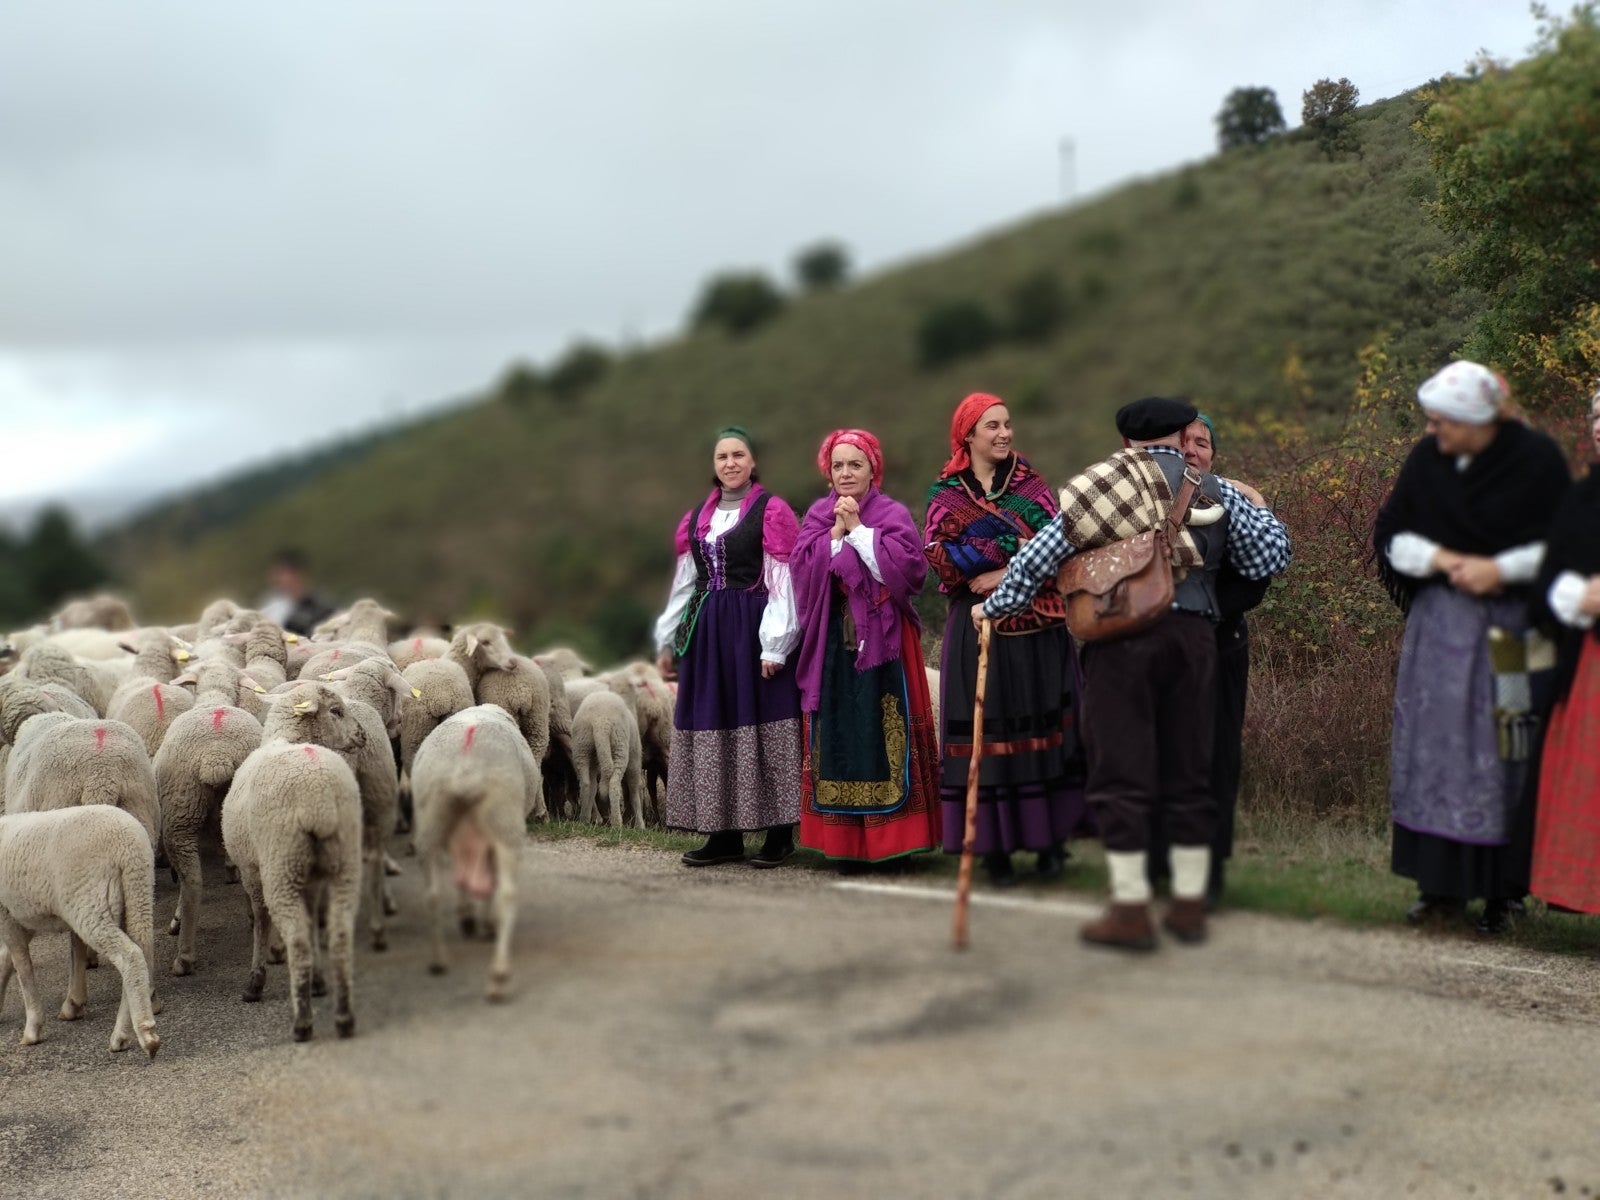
1474, 574
846, 517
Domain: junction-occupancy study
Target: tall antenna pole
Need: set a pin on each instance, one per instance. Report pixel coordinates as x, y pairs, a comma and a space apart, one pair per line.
1069, 174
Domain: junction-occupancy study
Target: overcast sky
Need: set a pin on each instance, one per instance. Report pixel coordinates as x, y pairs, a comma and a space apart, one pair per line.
228, 230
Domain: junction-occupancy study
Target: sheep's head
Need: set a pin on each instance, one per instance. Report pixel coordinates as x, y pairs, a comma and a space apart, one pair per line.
485, 644
315, 712
19, 700
214, 616
376, 682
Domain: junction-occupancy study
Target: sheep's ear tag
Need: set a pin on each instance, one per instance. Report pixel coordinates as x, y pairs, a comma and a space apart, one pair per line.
416, 693
291, 639
306, 706
180, 655
472, 645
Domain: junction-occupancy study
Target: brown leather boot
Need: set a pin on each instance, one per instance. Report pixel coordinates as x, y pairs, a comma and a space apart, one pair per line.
1186, 921
1124, 927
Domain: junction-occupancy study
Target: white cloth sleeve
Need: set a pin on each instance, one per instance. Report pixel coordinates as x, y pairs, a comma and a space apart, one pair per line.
780, 622
1566, 600
1520, 564
1412, 554
865, 540
677, 601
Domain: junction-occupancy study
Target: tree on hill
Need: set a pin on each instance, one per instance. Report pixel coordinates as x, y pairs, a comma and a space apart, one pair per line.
739, 301
520, 384
1325, 109
1038, 307
582, 366
1249, 115
45, 567
954, 330
823, 266
1517, 156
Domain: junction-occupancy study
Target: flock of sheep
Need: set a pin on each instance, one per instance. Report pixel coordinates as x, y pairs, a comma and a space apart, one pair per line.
122, 745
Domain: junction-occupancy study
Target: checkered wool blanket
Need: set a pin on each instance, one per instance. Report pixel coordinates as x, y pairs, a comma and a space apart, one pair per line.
1118, 497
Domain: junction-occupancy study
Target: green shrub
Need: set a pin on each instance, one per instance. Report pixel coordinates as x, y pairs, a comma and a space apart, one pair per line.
954, 330
823, 266
1038, 307
739, 302
580, 368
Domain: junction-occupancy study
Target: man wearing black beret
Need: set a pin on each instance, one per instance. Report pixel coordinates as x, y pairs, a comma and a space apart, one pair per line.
1147, 701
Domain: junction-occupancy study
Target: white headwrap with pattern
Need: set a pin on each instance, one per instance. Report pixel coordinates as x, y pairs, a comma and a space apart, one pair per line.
1465, 391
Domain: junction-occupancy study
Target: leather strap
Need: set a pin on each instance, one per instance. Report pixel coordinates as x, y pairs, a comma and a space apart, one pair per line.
1180, 506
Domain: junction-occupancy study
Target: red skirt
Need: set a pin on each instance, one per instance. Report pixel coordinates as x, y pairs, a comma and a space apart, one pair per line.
912, 828
1566, 836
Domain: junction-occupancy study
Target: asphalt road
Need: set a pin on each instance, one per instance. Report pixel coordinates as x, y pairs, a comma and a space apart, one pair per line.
733, 1033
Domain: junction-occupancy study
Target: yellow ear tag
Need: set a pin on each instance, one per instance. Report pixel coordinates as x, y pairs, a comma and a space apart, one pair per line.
304, 706
291, 639
181, 656
416, 693
259, 690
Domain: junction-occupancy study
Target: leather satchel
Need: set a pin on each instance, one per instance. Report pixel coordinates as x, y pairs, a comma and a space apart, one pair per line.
1126, 586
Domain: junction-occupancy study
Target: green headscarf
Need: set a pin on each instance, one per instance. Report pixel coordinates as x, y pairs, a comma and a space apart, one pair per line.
1209, 424
740, 432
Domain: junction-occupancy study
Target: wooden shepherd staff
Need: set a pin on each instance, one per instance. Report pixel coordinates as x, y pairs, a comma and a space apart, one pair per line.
958, 932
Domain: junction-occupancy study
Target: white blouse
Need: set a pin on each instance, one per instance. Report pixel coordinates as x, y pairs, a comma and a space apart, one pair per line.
779, 631
1566, 600
1412, 554
864, 539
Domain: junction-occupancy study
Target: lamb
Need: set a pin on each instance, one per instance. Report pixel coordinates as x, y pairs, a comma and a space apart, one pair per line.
157, 654
150, 708
444, 690
330, 657
373, 691
46, 663
292, 823
560, 776
567, 663
63, 762
655, 704
104, 611
195, 766
23, 698
606, 752
416, 648
88, 871
524, 692
364, 621
480, 647
266, 656
213, 617
476, 782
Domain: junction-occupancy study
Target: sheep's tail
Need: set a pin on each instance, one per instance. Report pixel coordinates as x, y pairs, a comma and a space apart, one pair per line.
101, 788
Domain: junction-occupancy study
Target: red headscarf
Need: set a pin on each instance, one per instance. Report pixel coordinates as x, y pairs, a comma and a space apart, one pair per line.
858, 438
963, 423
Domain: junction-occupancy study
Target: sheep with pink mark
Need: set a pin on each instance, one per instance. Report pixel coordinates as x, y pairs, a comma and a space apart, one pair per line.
475, 784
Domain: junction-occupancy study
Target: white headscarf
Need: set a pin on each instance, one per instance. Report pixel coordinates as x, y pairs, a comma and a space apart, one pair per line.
1465, 391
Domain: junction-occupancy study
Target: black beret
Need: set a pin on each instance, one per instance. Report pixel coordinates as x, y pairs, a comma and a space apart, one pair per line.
1154, 417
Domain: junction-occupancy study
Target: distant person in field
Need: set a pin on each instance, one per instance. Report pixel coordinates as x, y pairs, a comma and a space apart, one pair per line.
729, 630
1148, 697
986, 505
1236, 596
292, 603
1459, 543
870, 789
1566, 842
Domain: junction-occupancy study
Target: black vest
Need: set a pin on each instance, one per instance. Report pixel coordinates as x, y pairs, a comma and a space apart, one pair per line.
1196, 592
737, 557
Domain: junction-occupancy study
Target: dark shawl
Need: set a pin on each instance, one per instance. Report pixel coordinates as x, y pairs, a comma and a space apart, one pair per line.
1506, 497
1573, 545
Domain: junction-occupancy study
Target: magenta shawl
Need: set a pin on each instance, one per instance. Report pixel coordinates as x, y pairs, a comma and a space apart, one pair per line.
877, 608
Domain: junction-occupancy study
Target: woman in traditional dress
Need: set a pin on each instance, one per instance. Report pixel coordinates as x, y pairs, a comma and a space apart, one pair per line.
869, 788
1566, 844
1459, 540
987, 502
730, 625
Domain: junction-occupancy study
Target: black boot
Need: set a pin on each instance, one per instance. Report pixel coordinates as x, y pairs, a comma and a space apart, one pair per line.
1001, 873
1498, 914
778, 847
1430, 910
1052, 863
723, 847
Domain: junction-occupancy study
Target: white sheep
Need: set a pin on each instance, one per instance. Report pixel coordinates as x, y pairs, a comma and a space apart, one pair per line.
364, 621
335, 657
104, 611
475, 782
150, 708
606, 752
560, 776
194, 768
445, 691
88, 872
479, 647
48, 663
654, 705
566, 662
292, 823
416, 648
523, 690
21, 699
64, 762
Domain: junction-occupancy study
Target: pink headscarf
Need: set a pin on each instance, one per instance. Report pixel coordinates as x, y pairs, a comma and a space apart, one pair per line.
962, 423
858, 438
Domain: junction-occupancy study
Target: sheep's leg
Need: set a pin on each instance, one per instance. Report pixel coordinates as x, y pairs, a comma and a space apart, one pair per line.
441, 962
17, 939
505, 911
129, 959
297, 920
77, 982
614, 798
633, 785
586, 793
372, 878
319, 937
183, 852
260, 935
6, 971
341, 952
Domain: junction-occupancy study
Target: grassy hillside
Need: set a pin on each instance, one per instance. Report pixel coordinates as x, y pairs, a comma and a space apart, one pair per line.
1248, 281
